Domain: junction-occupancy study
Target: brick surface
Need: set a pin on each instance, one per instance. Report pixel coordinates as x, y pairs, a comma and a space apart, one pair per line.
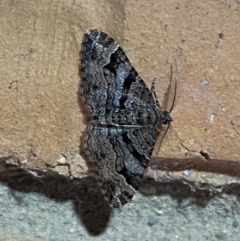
42, 120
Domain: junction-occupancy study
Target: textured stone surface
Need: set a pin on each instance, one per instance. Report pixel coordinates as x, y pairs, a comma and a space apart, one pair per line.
42, 122
169, 212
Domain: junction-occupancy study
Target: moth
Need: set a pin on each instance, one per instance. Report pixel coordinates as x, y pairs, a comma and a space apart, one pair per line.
125, 117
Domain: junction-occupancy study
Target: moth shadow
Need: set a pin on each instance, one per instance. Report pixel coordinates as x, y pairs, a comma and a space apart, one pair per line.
90, 207
88, 202
181, 187
82, 106
206, 164
177, 190
181, 191
83, 109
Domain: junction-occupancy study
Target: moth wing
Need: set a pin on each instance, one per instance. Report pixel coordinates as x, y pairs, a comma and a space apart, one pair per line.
108, 78
120, 156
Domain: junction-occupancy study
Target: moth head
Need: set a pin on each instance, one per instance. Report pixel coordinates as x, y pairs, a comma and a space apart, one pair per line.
166, 118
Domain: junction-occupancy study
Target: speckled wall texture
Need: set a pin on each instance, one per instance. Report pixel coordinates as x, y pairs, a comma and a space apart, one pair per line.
42, 120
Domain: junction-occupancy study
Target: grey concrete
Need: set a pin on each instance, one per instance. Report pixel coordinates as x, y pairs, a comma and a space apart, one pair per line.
157, 212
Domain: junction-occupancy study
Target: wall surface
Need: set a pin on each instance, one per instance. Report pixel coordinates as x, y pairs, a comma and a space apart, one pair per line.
42, 120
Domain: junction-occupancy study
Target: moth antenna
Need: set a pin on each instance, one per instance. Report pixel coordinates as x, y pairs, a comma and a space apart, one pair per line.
171, 92
174, 89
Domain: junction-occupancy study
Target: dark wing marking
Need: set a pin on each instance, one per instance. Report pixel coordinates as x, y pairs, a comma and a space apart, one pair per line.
109, 81
120, 156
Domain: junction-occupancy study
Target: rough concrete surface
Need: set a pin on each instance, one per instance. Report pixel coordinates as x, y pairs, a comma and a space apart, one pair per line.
172, 213
42, 120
